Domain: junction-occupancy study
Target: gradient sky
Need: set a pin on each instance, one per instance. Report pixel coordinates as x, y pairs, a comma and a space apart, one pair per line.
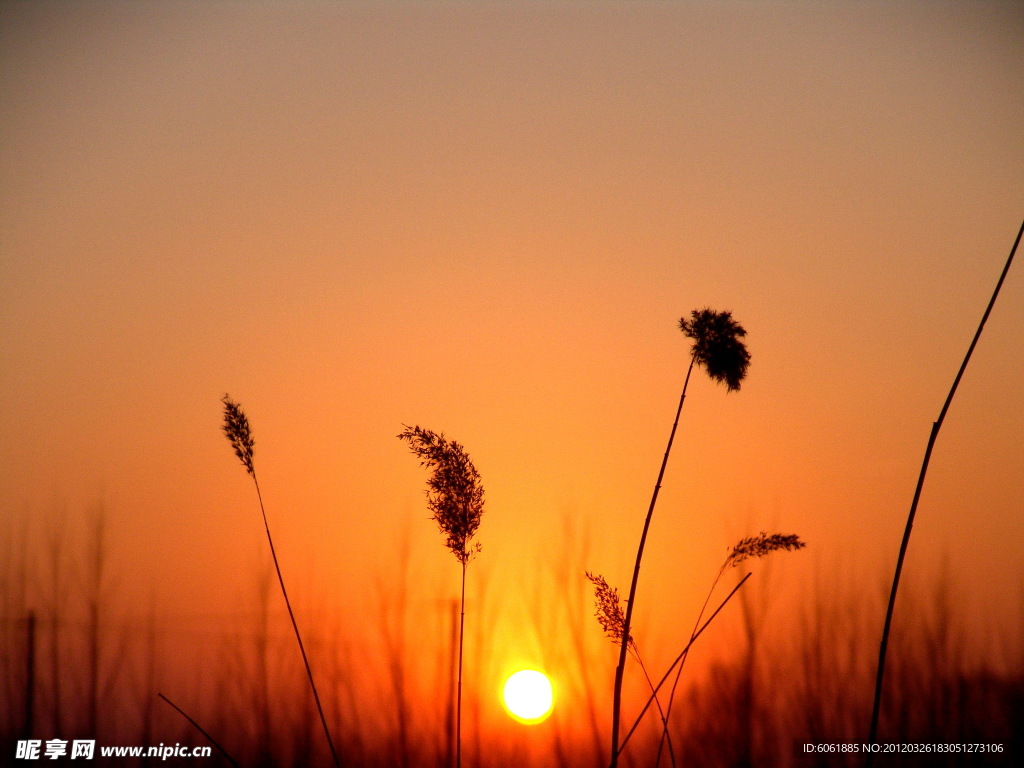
487, 219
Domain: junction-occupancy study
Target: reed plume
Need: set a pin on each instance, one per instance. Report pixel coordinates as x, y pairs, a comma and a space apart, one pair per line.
455, 496
236, 428
718, 347
609, 608
761, 545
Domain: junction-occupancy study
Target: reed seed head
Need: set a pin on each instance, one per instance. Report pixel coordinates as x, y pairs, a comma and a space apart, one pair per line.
236, 427
609, 608
455, 495
717, 345
761, 545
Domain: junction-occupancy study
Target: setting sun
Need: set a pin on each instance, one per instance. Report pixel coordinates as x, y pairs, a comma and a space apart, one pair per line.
528, 696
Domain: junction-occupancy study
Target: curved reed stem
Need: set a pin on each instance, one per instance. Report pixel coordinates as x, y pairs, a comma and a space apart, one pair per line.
883, 647
620, 669
295, 626
662, 713
682, 661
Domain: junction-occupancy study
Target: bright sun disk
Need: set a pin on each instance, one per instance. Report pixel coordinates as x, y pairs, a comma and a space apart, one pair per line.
528, 696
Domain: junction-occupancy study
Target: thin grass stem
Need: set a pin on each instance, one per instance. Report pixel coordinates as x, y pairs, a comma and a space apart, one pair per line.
202, 730
295, 626
458, 703
663, 714
456, 497
620, 669
682, 661
678, 659
239, 433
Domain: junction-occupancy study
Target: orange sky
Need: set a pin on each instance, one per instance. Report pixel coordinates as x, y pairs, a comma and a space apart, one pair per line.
487, 219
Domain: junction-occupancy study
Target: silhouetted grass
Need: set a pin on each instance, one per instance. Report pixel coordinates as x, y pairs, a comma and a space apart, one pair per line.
814, 682
455, 496
236, 428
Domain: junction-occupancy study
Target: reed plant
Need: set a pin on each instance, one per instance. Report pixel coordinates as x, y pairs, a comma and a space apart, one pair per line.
686, 649
611, 617
612, 620
758, 546
718, 347
455, 497
239, 433
936, 426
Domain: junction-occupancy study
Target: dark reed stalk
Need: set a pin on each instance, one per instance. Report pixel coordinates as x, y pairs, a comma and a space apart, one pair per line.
199, 728
610, 617
883, 646
455, 496
236, 427
718, 347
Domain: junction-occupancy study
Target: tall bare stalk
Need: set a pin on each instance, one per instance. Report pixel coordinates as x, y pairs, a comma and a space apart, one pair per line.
883, 646
717, 346
236, 427
455, 496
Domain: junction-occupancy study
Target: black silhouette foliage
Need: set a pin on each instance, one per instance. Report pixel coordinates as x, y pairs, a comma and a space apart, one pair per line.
455, 495
718, 345
236, 427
